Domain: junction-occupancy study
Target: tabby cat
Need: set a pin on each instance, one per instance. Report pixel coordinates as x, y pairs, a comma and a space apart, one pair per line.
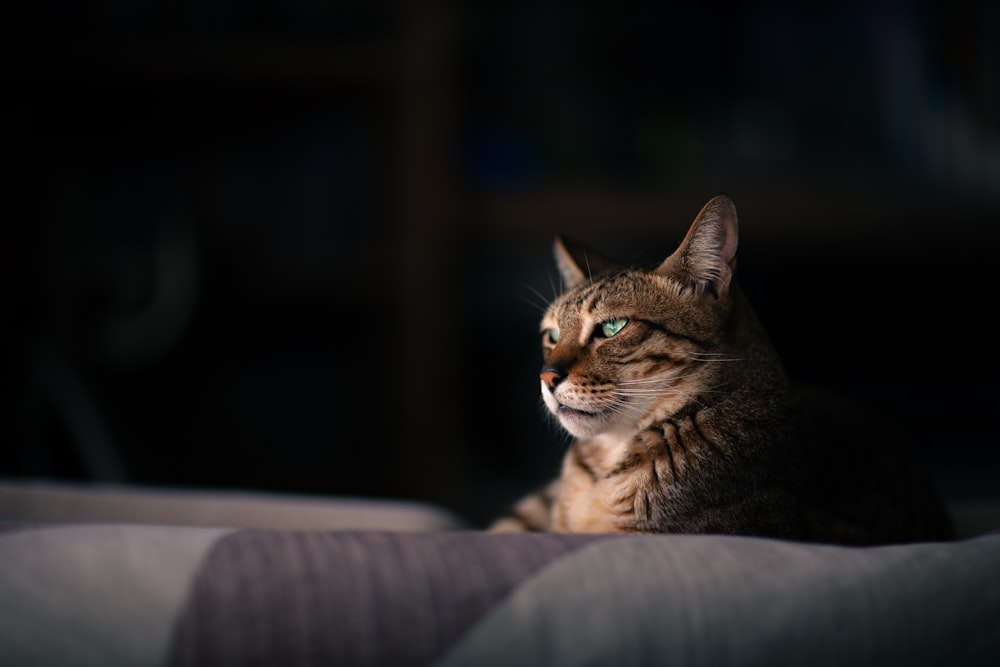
685, 421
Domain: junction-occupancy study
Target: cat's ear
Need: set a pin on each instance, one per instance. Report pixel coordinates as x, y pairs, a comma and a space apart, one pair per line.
578, 263
706, 258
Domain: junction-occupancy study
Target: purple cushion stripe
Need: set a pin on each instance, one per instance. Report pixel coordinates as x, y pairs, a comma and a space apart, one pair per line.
351, 598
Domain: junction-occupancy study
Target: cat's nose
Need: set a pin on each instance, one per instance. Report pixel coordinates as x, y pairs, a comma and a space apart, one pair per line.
551, 376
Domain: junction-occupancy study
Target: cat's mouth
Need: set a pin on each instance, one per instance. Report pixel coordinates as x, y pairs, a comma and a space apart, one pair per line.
579, 422
574, 412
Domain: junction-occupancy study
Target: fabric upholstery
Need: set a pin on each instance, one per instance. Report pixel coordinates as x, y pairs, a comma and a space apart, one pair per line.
370, 598
100, 578
94, 594
712, 600
65, 502
140, 595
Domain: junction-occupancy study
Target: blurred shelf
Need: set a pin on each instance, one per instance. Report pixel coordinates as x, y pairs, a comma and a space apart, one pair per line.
829, 210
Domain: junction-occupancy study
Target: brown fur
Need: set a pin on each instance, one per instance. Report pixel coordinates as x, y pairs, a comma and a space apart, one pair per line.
685, 421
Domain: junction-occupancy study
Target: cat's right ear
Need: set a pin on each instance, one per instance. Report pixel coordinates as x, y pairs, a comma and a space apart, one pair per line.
579, 263
706, 258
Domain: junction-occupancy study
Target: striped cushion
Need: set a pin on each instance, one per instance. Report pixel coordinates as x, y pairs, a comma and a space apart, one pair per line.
351, 598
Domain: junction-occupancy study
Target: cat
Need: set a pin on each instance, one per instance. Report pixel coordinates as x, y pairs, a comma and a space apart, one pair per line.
685, 420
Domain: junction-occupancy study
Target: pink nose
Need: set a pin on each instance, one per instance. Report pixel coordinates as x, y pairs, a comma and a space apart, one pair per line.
550, 378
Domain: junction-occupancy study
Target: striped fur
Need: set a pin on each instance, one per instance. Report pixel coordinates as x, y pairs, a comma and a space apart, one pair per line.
685, 422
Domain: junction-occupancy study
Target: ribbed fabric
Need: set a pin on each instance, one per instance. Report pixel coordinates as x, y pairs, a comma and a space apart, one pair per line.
717, 601
112, 595
351, 598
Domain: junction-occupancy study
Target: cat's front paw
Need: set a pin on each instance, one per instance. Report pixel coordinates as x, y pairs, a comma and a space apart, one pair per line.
508, 525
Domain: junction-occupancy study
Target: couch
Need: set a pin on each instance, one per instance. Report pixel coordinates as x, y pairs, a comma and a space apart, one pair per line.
123, 576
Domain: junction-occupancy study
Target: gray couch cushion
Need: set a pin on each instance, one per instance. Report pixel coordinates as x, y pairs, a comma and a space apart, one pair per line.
94, 595
134, 595
64, 502
719, 600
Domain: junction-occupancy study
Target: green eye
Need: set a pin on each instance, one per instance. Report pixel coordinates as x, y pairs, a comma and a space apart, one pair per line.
611, 327
553, 336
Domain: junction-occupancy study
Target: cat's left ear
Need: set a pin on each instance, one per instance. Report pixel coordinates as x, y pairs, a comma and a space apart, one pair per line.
706, 258
579, 263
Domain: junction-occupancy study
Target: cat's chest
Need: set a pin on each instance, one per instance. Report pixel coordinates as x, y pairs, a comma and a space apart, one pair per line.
601, 488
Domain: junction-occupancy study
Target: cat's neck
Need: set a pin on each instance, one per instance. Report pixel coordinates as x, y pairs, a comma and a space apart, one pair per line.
603, 452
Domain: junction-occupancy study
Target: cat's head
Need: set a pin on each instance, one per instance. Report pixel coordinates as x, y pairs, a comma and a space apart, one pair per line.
624, 345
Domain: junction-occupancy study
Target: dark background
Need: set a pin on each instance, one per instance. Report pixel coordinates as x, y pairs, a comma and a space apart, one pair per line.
302, 246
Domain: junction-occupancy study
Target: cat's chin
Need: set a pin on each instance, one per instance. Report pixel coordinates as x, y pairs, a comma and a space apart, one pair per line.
580, 423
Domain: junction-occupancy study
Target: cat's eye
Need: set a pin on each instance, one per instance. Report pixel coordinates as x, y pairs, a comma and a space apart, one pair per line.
552, 336
611, 327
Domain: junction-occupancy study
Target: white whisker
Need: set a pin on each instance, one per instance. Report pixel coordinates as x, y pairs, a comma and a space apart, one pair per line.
543, 305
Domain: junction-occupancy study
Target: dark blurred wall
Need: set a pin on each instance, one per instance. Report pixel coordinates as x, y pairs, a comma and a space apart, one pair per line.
303, 246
